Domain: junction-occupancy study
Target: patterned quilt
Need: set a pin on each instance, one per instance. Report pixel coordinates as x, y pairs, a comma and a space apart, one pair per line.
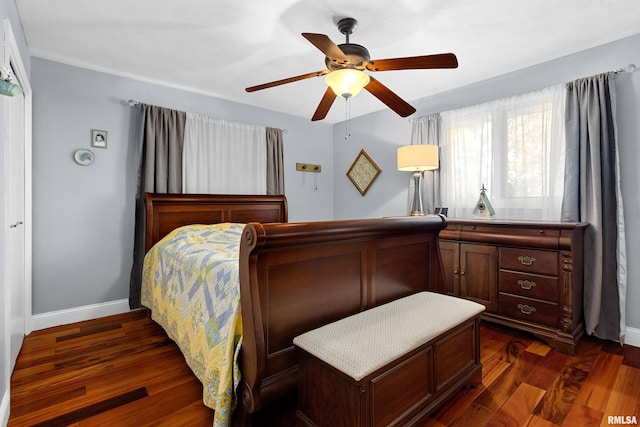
191, 284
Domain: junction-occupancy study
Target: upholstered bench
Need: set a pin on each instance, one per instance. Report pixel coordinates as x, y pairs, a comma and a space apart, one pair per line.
390, 365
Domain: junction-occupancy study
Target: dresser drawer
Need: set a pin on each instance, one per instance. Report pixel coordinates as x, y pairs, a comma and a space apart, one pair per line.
528, 285
533, 261
528, 309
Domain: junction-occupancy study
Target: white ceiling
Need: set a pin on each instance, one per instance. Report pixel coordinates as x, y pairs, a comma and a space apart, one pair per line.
220, 47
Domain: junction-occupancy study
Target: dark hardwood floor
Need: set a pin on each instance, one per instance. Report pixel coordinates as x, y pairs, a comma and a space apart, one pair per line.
123, 371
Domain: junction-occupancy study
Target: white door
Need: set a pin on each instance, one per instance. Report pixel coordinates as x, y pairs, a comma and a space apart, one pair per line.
17, 198
16, 216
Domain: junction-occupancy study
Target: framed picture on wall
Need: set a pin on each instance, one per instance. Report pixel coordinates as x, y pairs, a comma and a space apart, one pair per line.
363, 172
98, 138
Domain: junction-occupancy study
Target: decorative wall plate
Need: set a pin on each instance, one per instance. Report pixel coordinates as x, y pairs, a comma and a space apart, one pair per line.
363, 172
83, 157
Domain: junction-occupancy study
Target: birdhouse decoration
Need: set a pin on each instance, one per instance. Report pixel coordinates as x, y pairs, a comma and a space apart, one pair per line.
483, 206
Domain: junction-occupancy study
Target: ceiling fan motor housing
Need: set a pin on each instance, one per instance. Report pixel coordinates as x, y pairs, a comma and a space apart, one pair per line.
356, 54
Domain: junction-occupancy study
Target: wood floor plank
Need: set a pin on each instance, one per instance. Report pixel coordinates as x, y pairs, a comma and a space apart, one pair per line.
85, 332
492, 370
583, 416
149, 409
536, 421
483, 408
561, 394
545, 373
518, 408
194, 414
96, 408
539, 348
625, 395
75, 410
596, 389
46, 398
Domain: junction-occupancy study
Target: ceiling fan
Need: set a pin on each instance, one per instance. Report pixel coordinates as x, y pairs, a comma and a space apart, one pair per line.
345, 71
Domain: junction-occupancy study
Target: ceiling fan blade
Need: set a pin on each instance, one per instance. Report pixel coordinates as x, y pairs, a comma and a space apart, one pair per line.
325, 105
287, 80
326, 46
392, 100
442, 60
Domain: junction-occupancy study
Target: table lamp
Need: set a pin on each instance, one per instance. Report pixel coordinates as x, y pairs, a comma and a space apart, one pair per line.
417, 159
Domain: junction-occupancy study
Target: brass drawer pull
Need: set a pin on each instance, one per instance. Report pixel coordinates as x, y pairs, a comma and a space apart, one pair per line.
526, 309
525, 284
526, 260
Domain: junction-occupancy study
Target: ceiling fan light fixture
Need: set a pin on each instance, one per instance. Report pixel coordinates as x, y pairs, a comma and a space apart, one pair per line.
347, 82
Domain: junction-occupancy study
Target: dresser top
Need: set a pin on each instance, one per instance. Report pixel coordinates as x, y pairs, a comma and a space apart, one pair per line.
515, 223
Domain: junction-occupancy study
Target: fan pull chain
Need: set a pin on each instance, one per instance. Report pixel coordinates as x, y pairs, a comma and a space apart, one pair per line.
347, 120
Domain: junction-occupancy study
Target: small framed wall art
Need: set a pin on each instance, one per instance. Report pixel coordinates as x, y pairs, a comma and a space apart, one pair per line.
98, 138
363, 172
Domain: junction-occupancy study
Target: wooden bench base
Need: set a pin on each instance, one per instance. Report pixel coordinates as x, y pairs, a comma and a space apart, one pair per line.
404, 392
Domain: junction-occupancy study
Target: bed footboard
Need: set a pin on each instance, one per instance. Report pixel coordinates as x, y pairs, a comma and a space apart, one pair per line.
299, 276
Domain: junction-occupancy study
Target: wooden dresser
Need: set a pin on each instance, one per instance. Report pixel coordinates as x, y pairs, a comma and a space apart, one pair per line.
527, 274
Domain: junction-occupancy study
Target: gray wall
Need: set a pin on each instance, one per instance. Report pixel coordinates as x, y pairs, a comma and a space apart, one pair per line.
381, 133
83, 215
9, 12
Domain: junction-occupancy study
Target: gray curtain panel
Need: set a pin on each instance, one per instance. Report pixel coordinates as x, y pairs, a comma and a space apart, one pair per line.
159, 134
427, 130
275, 161
137, 126
163, 142
592, 194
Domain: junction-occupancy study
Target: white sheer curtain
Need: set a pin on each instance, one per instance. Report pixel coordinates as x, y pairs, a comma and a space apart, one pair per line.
222, 157
515, 147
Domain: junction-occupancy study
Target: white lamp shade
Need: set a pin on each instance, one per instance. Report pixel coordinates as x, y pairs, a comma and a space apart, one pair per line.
419, 157
347, 82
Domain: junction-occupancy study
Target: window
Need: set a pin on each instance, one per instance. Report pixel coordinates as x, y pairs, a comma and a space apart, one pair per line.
515, 147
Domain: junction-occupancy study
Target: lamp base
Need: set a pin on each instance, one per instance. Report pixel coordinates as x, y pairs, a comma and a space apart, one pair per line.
417, 208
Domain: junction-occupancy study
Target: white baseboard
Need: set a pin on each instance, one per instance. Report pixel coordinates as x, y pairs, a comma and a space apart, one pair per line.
632, 336
4, 409
78, 314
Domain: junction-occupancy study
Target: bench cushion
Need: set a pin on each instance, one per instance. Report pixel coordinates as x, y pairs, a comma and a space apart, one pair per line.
360, 344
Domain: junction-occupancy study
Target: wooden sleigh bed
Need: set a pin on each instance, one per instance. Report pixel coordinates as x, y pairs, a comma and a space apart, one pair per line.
295, 277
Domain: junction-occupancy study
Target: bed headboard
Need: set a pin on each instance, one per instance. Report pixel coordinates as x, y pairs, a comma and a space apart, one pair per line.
166, 212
